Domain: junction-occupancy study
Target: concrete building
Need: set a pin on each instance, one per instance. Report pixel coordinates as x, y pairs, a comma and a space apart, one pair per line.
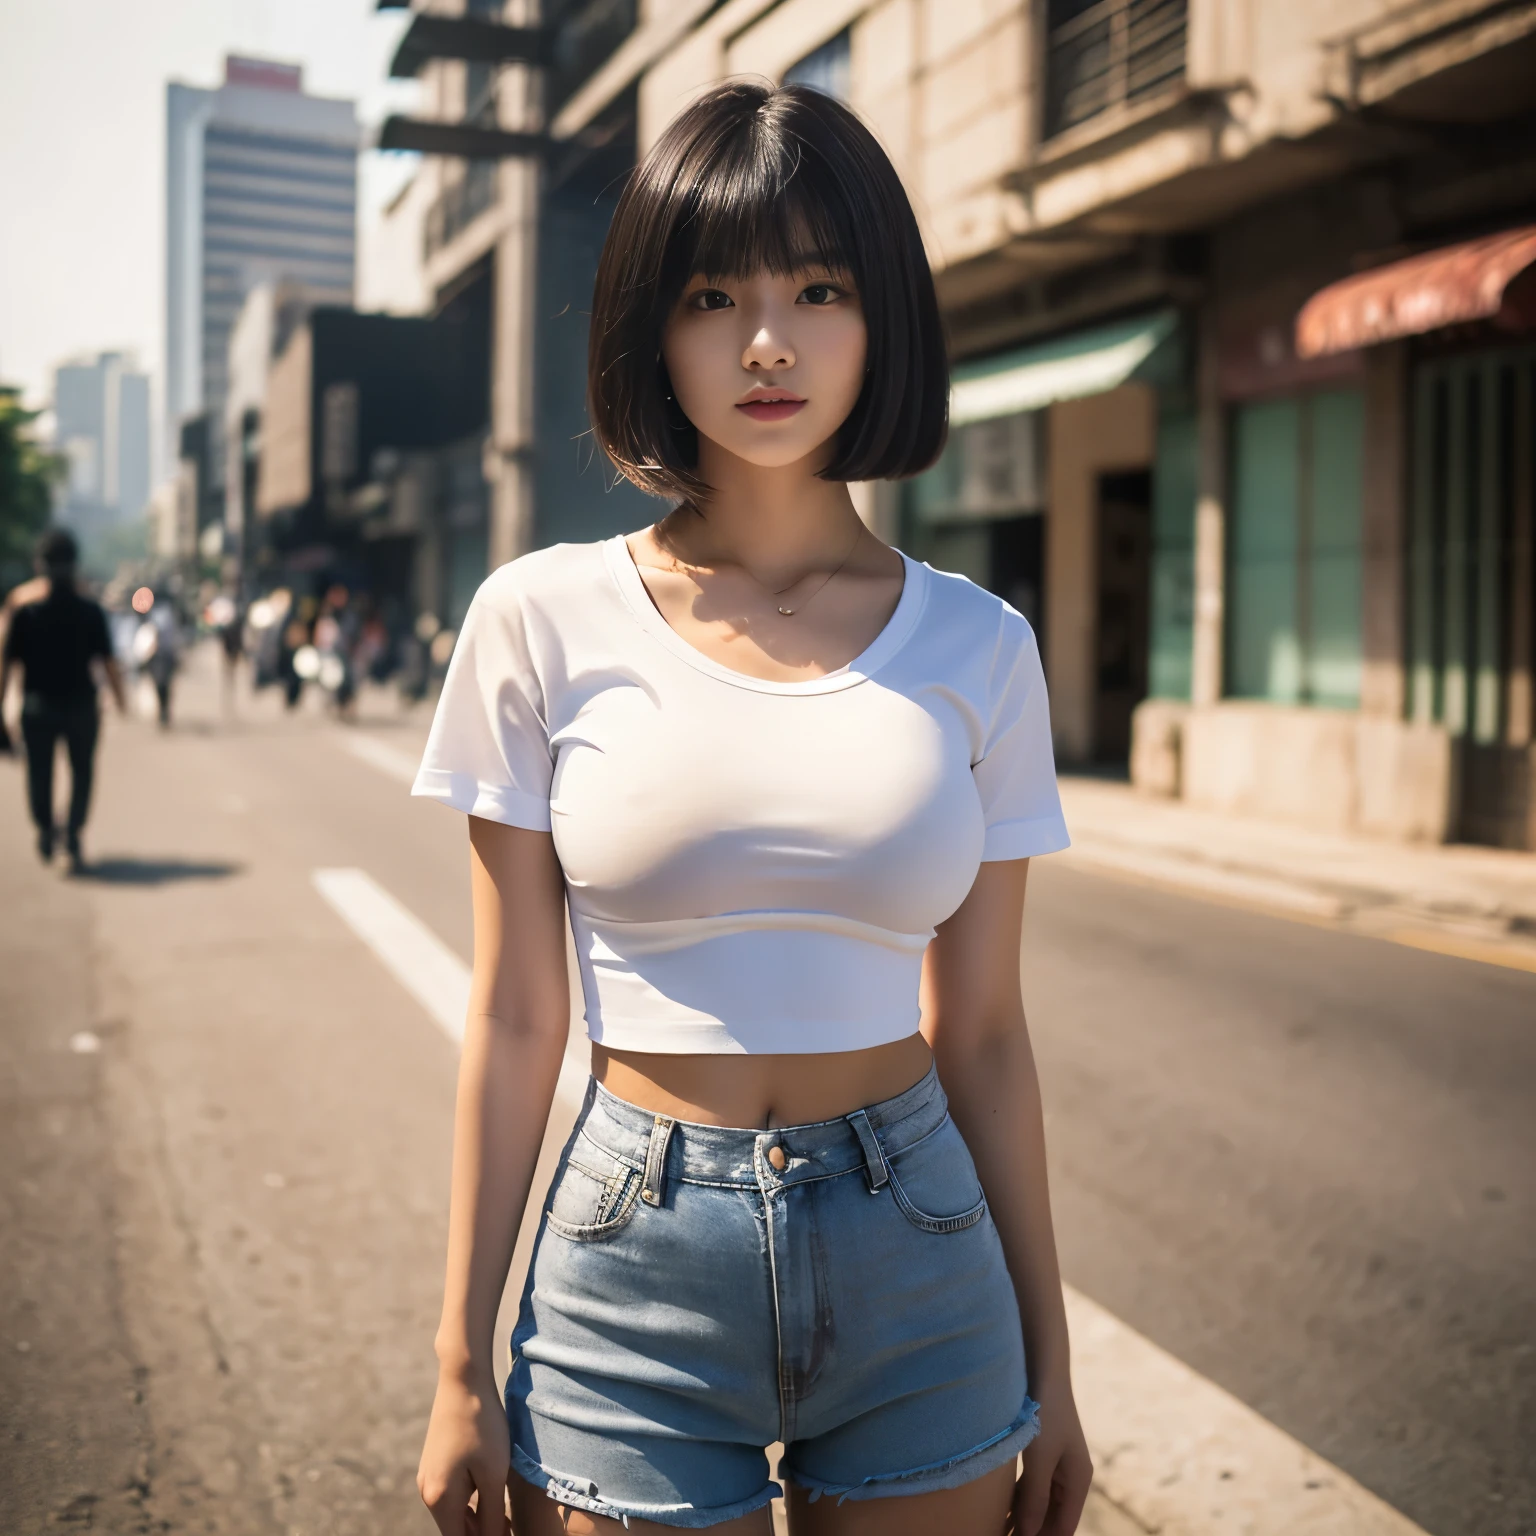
1240, 305
528, 130
173, 518
101, 416
271, 313
370, 468
261, 186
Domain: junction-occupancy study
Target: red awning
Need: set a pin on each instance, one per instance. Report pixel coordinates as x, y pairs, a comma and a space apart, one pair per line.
1406, 298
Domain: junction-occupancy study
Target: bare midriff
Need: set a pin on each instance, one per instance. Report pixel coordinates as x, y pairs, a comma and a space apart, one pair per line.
762, 1092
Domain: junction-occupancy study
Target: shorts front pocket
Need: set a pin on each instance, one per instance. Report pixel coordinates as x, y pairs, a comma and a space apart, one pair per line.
934, 1182
594, 1194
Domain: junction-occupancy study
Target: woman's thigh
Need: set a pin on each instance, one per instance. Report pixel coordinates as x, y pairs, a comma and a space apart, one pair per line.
534, 1513
978, 1508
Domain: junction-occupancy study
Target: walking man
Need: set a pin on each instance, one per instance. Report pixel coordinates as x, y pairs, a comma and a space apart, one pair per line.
58, 641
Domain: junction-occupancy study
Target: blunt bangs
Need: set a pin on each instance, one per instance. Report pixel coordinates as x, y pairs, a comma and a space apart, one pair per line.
754, 179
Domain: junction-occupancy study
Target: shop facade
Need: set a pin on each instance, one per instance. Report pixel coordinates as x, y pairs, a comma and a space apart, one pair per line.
1370, 442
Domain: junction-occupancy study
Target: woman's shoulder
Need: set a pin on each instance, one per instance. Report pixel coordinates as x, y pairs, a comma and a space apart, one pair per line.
971, 618
557, 580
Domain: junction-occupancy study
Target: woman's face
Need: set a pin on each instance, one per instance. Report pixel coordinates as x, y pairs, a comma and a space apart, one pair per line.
767, 367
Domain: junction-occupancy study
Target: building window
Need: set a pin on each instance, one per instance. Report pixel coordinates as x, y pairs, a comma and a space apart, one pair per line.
1101, 55
459, 204
1294, 566
1171, 637
1471, 536
828, 69
977, 512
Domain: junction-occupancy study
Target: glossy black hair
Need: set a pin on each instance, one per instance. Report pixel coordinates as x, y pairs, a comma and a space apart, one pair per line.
749, 179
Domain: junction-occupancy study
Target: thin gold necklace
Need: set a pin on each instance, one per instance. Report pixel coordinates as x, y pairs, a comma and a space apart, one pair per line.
789, 613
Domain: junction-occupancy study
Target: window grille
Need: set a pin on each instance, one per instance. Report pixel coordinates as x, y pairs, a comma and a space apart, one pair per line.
1104, 55
459, 205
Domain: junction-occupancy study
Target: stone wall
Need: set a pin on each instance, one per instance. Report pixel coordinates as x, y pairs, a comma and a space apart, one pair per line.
1336, 770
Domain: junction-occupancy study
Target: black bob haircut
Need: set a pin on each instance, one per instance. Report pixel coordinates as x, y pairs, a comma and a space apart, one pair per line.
755, 179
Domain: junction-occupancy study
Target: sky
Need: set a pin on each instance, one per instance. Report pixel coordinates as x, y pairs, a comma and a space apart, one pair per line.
82, 152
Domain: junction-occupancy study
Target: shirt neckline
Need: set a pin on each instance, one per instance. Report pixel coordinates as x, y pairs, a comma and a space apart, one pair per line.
898, 629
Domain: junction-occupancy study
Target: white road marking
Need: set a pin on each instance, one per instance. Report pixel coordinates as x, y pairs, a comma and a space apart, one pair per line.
411, 952
1181, 1456
431, 972
1173, 1452
377, 754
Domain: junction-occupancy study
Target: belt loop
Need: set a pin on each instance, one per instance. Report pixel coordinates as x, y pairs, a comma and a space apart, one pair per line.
654, 1188
874, 1158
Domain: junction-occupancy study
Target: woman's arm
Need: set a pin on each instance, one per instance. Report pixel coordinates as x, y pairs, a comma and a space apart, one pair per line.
973, 1017
514, 1039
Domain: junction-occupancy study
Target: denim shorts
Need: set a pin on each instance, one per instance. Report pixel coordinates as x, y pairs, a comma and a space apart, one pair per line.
689, 1303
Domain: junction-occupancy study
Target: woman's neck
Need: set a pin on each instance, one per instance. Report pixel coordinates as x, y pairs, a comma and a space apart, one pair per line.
776, 522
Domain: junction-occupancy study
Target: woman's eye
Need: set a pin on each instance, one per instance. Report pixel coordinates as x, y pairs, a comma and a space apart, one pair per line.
711, 298
821, 293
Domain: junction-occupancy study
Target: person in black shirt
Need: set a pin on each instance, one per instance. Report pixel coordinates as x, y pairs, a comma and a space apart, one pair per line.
57, 642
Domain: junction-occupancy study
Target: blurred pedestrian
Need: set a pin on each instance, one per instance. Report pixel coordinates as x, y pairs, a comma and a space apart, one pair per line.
60, 643
228, 623
372, 658
157, 647
297, 641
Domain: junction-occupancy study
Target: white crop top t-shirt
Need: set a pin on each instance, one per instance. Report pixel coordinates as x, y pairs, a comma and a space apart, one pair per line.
752, 866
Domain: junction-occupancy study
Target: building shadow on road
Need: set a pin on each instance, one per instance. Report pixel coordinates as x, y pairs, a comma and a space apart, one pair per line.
126, 871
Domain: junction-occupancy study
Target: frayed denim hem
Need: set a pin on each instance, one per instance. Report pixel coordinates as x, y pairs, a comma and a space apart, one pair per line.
953, 1472
580, 1493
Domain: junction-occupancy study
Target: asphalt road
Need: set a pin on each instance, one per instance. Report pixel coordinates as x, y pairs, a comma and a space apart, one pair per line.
1302, 1161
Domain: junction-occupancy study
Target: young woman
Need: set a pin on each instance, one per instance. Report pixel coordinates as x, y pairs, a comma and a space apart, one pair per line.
788, 783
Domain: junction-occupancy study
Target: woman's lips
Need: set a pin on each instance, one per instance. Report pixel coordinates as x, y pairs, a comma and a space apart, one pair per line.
771, 410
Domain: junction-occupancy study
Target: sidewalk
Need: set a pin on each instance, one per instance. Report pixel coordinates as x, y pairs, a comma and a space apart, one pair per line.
1479, 903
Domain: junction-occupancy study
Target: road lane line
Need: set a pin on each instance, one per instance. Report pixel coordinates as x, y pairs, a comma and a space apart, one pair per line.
377, 754
410, 951
1174, 1452
1181, 1456
426, 967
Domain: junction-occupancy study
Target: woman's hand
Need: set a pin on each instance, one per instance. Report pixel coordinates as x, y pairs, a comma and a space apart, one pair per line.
468, 1450
1049, 1498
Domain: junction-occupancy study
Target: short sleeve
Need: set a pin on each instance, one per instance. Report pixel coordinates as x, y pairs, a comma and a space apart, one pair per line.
488, 751
1016, 772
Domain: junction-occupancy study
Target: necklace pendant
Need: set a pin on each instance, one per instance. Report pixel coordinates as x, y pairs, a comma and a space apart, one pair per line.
787, 612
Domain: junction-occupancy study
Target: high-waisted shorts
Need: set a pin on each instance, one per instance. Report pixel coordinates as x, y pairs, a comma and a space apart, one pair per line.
690, 1302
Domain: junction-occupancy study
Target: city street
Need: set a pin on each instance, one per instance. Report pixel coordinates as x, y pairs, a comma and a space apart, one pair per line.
1301, 1161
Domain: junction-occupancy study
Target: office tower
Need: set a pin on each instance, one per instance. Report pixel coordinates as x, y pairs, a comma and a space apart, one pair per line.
261, 187
101, 411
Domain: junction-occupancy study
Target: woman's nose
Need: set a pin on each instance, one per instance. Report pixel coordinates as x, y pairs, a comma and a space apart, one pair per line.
768, 349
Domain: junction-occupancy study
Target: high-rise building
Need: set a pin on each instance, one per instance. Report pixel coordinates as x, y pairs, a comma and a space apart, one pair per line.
261, 186
101, 411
